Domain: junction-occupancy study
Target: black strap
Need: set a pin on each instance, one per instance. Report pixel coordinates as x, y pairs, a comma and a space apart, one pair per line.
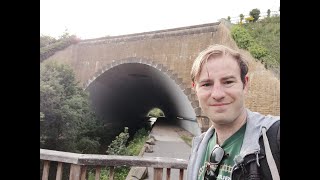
273, 135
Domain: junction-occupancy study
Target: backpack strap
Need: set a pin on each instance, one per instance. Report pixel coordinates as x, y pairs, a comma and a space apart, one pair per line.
269, 156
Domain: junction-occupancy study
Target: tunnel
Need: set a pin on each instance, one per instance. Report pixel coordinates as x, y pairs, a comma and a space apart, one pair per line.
124, 94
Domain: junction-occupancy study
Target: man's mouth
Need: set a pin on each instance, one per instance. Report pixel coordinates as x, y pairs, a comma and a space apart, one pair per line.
219, 104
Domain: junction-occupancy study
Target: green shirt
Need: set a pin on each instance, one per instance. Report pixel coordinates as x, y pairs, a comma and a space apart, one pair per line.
231, 146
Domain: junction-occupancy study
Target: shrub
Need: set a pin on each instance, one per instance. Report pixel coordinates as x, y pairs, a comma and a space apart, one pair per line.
257, 51
118, 146
242, 37
47, 51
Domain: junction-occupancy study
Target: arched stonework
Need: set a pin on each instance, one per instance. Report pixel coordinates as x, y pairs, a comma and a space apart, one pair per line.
162, 68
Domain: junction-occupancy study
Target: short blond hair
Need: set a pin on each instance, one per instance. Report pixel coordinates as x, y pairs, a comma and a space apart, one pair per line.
217, 50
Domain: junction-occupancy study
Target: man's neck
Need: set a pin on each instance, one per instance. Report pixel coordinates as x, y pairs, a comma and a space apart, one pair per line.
224, 131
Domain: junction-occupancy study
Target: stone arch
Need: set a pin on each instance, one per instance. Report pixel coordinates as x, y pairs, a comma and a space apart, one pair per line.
164, 69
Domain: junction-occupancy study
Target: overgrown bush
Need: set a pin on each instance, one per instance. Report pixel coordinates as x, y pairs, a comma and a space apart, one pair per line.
242, 37
88, 146
49, 50
118, 146
266, 33
257, 51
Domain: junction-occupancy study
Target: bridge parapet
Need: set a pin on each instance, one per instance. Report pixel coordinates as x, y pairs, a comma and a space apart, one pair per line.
197, 29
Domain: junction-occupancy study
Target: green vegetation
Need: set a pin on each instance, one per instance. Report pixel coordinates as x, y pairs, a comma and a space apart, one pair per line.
66, 120
155, 112
68, 124
118, 147
50, 45
138, 141
255, 13
266, 33
261, 39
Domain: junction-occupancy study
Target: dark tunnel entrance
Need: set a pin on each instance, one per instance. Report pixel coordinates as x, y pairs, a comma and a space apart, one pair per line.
123, 96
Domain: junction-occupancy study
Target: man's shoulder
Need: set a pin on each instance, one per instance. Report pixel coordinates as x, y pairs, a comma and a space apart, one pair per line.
258, 115
256, 119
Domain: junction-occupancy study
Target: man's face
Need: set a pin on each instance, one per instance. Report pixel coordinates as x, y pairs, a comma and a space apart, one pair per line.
220, 90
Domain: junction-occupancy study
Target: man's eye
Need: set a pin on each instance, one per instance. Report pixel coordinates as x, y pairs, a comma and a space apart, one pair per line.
205, 85
229, 82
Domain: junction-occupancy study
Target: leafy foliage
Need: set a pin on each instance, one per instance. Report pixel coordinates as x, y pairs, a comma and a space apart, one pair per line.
258, 51
137, 142
255, 13
245, 41
155, 112
266, 33
46, 40
118, 146
242, 37
241, 18
67, 120
47, 49
262, 40
268, 13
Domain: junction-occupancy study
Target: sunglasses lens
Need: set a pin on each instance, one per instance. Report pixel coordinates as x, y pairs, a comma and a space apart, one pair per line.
209, 175
216, 155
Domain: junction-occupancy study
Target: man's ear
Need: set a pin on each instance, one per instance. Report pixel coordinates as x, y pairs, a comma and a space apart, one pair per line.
246, 84
193, 86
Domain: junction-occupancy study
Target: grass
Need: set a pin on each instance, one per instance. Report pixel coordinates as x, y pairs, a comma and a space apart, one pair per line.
266, 33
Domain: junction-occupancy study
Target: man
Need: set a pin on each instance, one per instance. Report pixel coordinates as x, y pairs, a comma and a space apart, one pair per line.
236, 146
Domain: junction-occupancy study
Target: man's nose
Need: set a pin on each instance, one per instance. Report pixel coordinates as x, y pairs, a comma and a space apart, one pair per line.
217, 92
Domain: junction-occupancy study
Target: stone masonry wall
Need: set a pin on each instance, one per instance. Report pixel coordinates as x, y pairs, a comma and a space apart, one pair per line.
175, 49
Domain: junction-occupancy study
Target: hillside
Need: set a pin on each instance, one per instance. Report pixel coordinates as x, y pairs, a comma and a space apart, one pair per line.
266, 33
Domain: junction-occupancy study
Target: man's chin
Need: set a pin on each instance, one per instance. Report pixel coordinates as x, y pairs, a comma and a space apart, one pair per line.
217, 118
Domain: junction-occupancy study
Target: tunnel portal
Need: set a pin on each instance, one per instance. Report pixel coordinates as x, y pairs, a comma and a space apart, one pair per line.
123, 95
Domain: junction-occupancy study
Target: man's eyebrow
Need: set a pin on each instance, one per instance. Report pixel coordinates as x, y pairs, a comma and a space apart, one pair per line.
229, 77
203, 80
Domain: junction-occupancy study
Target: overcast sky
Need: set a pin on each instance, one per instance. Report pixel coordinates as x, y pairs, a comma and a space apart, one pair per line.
97, 18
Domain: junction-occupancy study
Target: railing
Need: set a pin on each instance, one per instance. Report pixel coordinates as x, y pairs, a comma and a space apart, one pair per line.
80, 162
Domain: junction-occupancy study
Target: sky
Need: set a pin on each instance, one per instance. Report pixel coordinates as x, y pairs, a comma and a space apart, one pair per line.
89, 19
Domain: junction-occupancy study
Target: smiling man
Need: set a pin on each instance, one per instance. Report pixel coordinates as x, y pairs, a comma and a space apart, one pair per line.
240, 144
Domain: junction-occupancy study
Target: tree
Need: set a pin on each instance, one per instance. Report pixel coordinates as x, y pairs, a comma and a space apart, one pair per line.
67, 123
241, 18
268, 13
229, 18
255, 13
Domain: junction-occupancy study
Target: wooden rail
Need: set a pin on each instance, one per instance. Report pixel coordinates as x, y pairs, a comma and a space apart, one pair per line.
80, 162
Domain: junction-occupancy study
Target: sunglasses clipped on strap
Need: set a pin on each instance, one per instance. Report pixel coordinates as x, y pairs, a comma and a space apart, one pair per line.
216, 156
